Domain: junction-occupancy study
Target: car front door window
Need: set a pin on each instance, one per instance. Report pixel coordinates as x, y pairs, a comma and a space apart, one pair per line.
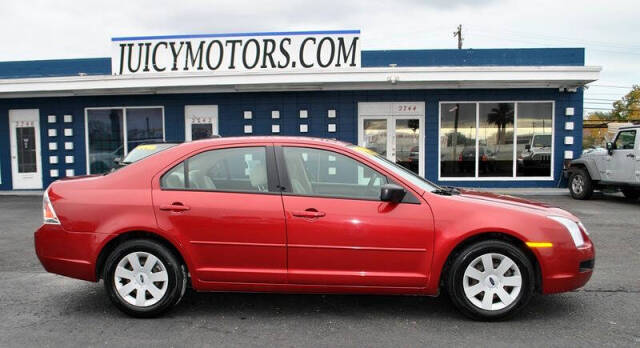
314, 172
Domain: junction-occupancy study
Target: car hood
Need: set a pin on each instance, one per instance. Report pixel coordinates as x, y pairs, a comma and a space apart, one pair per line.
511, 202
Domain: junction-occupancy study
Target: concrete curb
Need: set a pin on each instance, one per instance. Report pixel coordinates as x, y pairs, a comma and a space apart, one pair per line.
525, 191
22, 193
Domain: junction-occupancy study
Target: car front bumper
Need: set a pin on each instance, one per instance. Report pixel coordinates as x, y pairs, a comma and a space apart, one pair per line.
566, 268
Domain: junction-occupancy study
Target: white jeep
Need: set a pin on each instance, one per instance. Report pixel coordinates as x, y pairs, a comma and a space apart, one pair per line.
616, 168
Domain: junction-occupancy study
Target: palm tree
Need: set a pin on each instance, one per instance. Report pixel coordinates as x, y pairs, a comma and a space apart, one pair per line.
501, 116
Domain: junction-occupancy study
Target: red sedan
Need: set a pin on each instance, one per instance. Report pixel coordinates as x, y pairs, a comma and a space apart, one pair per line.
285, 214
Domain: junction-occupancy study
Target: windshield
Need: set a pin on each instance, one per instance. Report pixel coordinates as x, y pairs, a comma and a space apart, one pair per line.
542, 141
397, 169
142, 151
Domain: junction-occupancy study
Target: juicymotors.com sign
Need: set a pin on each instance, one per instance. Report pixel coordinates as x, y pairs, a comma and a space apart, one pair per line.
247, 52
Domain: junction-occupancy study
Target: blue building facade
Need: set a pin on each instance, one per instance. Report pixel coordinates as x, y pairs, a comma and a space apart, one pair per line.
462, 132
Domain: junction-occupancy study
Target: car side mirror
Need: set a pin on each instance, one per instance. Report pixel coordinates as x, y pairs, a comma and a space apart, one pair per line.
117, 160
527, 147
392, 193
610, 147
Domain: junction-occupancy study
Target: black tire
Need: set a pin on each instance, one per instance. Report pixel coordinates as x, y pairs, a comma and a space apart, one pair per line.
580, 184
176, 277
455, 280
631, 193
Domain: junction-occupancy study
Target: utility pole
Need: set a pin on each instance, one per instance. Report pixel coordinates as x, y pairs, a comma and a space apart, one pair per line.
458, 33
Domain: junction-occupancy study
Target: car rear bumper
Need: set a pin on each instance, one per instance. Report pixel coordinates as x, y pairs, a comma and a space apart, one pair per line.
568, 269
66, 253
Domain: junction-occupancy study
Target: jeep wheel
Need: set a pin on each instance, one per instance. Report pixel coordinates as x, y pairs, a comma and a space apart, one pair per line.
580, 185
631, 193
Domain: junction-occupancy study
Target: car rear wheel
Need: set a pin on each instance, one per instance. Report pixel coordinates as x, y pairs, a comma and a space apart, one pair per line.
143, 278
490, 280
631, 193
580, 185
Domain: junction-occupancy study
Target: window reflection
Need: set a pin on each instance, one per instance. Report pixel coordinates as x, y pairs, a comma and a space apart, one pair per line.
458, 140
375, 136
106, 133
534, 129
495, 134
495, 137
105, 139
144, 125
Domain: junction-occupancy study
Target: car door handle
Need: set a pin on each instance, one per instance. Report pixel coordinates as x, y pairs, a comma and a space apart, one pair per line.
176, 206
308, 214
631, 155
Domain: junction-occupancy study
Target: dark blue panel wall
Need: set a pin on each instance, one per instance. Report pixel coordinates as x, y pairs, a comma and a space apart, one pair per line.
55, 67
475, 57
232, 106
466, 57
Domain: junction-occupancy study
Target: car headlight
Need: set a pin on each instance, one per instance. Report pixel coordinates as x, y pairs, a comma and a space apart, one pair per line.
572, 227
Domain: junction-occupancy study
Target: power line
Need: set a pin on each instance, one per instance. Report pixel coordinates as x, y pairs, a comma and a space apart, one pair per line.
610, 109
573, 39
531, 37
542, 43
611, 86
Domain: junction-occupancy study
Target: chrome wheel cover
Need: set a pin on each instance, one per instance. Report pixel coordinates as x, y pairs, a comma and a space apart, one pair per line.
492, 281
141, 279
577, 184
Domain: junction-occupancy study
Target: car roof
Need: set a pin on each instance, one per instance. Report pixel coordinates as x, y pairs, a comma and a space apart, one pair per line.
629, 127
270, 139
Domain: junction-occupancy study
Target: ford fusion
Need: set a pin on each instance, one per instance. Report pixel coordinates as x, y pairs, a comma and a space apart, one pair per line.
301, 215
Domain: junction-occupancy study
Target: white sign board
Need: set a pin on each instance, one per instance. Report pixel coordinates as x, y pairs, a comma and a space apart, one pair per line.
240, 53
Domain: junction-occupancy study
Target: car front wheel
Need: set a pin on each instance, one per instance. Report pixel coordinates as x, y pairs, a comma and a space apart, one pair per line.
490, 280
143, 278
580, 185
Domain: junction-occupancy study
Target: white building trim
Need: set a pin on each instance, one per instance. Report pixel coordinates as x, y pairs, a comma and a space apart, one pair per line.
568, 77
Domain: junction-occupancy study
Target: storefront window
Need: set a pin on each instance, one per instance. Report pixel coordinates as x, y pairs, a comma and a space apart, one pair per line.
534, 128
144, 125
104, 131
499, 127
107, 133
495, 145
458, 140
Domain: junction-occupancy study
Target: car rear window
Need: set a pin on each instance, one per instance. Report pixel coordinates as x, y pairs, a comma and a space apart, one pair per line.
146, 150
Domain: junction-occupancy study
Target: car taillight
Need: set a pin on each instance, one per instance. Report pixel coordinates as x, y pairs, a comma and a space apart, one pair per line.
49, 215
460, 158
484, 158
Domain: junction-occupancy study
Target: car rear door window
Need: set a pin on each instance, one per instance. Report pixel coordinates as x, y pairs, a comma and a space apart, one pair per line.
235, 169
314, 172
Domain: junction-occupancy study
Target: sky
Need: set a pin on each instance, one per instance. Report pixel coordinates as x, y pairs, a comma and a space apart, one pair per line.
608, 30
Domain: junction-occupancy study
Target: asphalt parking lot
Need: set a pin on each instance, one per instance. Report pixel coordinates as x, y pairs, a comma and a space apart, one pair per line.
41, 309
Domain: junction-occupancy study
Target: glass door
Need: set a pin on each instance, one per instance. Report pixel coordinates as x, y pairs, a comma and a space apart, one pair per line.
398, 138
406, 144
201, 121
375, 135
25, 149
